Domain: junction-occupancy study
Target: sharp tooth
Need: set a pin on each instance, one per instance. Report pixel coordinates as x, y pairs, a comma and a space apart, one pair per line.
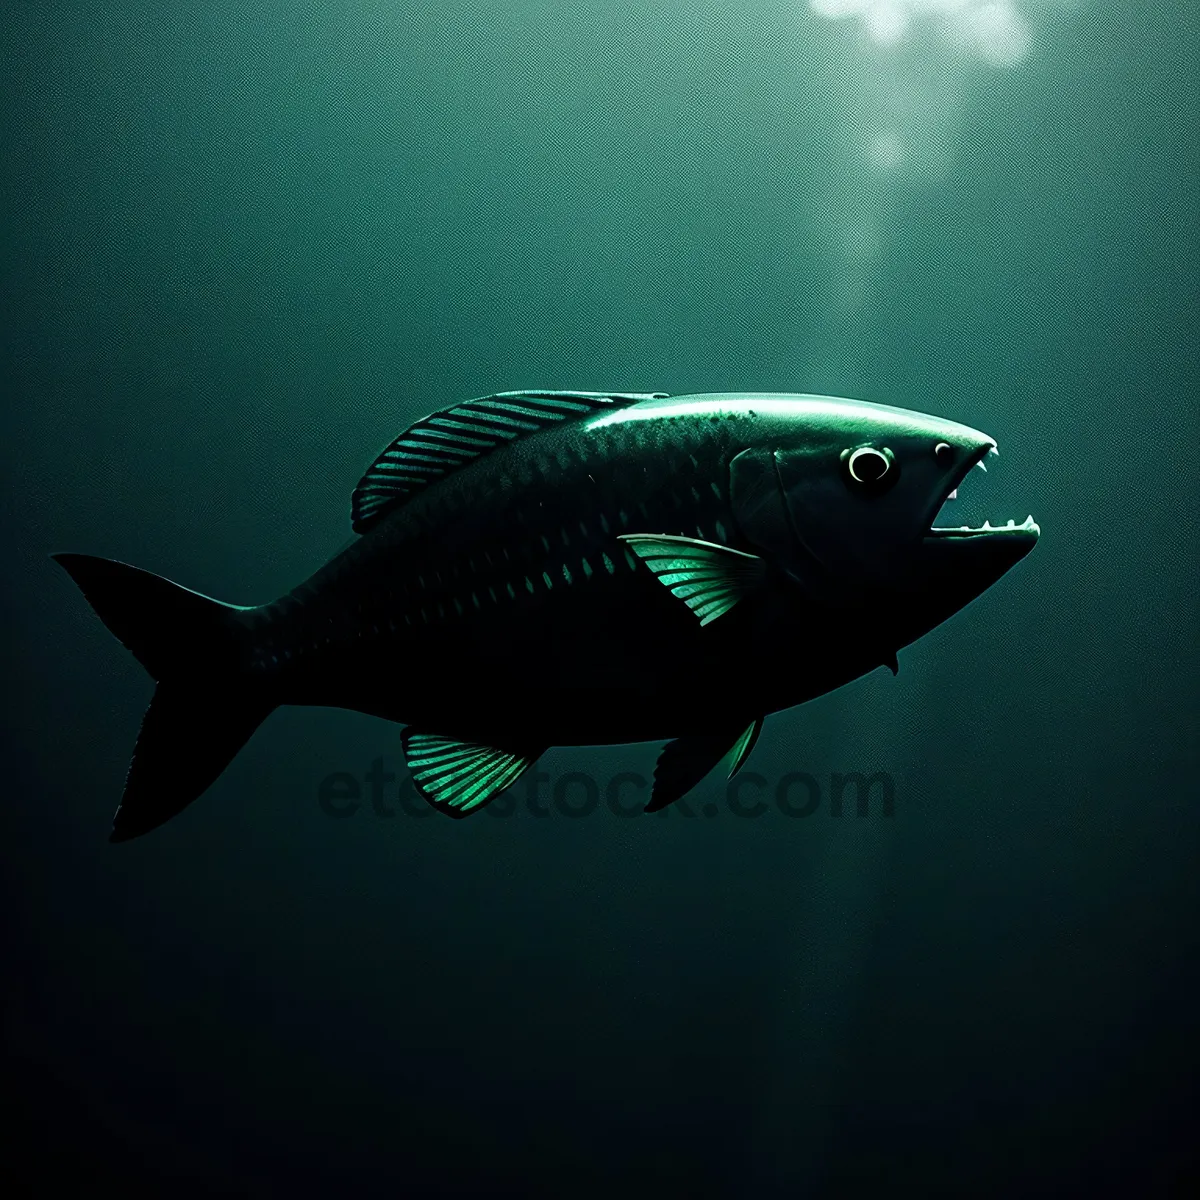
953, 495
993, 450
987, 525
981, 466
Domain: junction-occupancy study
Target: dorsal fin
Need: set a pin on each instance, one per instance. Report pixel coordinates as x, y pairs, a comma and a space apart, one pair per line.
444, 441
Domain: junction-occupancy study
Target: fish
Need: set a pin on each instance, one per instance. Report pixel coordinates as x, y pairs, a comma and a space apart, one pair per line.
533, 569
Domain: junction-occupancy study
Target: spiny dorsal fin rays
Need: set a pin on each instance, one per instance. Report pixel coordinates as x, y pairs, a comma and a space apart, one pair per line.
459, 778
442, 442
686, 761
710, 579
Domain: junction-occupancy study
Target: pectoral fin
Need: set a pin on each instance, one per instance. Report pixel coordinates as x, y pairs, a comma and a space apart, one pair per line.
686, 761
710, 579
459, 778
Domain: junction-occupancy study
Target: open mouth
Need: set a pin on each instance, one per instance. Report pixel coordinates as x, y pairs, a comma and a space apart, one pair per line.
1010, 528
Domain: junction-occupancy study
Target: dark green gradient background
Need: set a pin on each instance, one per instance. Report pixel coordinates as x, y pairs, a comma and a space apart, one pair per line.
245, 244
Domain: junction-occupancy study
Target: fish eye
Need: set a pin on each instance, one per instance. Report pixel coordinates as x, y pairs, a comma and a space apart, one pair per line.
944, 453
870, 467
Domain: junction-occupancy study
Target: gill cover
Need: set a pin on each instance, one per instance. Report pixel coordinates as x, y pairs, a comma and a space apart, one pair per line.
761, 511
857, 532
827, 530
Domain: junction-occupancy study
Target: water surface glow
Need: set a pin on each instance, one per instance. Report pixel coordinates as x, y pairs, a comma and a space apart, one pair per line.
995, 31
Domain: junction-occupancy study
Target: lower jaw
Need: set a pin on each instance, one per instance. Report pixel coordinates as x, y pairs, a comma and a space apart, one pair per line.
952, 567
974, 552
1028, 528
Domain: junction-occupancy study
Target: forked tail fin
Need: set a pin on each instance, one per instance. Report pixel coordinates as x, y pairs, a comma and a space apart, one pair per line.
201, 713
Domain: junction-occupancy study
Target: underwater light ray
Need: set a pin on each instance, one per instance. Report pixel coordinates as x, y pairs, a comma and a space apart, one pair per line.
996, 32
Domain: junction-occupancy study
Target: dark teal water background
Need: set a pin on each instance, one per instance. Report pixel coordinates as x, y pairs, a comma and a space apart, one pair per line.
245, 244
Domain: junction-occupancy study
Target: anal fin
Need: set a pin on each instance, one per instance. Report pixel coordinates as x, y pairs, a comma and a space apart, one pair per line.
740, 750
459, 778
686, 761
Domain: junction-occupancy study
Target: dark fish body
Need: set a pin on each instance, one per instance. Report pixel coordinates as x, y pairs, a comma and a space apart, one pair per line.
502, 599
515, 586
